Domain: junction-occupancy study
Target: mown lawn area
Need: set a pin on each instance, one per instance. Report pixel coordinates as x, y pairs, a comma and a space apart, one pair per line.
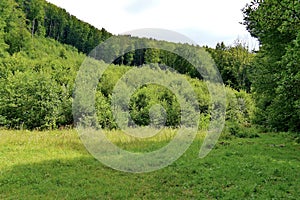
55, 165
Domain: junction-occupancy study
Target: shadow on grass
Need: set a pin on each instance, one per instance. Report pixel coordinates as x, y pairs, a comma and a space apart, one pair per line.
82, 178
87, 178
230, 171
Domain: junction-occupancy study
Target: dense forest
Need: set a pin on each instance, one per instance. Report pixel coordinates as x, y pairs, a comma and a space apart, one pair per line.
42, 48
276, 67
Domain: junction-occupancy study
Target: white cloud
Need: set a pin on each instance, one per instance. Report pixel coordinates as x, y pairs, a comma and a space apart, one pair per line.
206, 22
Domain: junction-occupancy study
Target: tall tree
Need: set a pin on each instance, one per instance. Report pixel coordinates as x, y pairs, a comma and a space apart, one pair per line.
276, 24
152, 56
3, 45
35, 14
16, 34
233, 63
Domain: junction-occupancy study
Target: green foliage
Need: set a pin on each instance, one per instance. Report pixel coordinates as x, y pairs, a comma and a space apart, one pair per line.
104, 113
234, 64
16, 35
36, 86
234, 129
240, 106
3, 45
276, 24
240, 110
285, 109
48, 84
39, 18
67, 29
37, 74
152, 56
30, 100
35, 15
147, 98
110, 78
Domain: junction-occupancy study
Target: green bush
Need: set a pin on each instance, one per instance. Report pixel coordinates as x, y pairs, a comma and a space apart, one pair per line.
235, 129
30, 100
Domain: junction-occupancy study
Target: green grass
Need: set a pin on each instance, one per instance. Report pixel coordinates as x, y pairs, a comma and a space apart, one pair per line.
55, 165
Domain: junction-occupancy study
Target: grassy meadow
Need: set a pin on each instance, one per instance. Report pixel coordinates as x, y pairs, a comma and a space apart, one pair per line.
56, 165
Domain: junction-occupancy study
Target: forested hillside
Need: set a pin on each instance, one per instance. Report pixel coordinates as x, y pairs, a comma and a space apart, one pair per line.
38, 69
42, 47
22, 19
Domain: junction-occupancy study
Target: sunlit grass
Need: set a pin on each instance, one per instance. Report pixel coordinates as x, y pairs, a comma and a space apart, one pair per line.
131, 140
56, 165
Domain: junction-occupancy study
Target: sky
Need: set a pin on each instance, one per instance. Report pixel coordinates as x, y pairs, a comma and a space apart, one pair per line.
206, 22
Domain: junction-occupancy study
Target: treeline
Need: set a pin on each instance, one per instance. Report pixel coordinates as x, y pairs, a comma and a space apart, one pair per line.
24, 19
67, 29
36, 92
276, 67
37, 72
133, 51
143, 109
234, 62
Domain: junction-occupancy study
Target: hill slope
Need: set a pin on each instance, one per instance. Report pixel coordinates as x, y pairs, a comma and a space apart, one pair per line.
37, 71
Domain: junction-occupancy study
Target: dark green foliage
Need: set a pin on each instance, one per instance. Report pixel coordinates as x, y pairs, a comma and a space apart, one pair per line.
67, 29
35, 15
284, 111
234, 129
234, 64
164, 58
46, 19
13, 20
276, 24
22, 18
